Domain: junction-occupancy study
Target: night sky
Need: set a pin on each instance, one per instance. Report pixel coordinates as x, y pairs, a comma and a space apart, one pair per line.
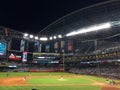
33, 15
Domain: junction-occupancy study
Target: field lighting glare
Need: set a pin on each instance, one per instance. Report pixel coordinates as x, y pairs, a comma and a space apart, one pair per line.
31, 36
54, 37
51, 38
43, 38
36, 38
59, 36
25, 34
90, 29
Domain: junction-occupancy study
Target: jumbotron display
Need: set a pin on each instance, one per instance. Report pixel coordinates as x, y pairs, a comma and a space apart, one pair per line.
2, 48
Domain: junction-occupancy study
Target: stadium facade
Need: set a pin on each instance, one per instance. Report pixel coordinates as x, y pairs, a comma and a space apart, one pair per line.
96, 51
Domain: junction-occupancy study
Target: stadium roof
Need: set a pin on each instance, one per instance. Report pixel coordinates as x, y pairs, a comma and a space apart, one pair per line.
96, 14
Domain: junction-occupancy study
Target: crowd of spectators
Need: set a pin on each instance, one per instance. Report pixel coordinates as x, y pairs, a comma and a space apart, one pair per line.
111, 72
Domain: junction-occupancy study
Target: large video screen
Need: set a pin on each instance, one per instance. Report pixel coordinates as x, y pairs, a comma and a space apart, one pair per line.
2, 48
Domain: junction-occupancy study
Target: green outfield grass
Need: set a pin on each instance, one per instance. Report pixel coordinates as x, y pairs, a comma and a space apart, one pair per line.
12, 74
53, 81
51, 88
58, 81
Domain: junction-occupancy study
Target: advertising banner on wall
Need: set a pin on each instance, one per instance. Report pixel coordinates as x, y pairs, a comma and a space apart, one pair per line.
24, 59
56, 45
2, 48
22, 45
70, 45
47, 48
14, 57
62, 44
37, 46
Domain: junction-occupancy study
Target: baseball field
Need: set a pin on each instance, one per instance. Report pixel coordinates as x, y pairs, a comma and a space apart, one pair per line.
53, 81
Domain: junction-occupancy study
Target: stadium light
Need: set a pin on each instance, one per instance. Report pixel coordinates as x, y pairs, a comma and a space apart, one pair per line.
54, 37
43, 38
31, 36
50, 38
25, 34
90, 29
59, 36
41, 57
36, 37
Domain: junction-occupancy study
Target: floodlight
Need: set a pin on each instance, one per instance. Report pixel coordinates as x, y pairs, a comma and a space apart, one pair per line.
90, 29
31, 36
41, 57
43, 38
50, 38
54, 37
25, 34
36, 37
71, 33
59, 36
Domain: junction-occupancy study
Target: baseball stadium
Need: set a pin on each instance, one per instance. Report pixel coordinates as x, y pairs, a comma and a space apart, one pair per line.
79, 51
